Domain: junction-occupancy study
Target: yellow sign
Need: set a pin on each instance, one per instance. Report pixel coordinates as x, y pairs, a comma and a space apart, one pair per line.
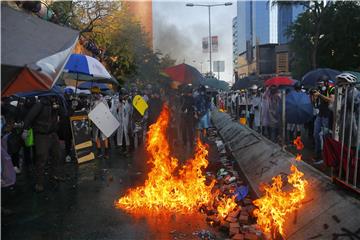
140, 104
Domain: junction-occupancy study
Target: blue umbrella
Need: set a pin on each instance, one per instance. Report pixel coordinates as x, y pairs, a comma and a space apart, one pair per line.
55, 91
86, 68
311, 78
299, 108
89, 85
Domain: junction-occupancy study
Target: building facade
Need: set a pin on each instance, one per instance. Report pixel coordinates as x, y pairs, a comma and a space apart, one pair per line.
260, 24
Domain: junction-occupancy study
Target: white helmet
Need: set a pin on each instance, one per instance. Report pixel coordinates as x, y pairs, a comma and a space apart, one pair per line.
350, 78
254, 87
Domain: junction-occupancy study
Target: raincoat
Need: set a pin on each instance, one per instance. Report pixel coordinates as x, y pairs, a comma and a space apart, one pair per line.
122, 113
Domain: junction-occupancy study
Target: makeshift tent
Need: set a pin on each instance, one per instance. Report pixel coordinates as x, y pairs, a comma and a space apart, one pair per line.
34, 51
184, 74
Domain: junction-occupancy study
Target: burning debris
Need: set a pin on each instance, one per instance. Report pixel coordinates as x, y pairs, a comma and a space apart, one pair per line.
221, 195
277, 203
170, 186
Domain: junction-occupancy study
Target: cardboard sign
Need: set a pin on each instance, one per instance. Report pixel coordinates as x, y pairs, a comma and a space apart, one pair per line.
103, 119
81, 131
140, 104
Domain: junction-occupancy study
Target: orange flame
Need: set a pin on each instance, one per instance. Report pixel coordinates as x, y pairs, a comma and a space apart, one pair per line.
298, 157
170, 186
226, 205
276, 203
298, 143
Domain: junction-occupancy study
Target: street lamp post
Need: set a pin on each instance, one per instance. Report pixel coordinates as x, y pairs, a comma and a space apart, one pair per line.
209, 6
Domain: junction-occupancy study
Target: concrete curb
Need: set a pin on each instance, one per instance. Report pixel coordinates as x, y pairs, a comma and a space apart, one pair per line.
327, 212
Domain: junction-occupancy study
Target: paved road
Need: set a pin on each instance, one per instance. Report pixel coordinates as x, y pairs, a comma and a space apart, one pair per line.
83, 206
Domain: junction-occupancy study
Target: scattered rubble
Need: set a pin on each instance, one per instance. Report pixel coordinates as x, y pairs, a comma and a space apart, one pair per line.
240, 223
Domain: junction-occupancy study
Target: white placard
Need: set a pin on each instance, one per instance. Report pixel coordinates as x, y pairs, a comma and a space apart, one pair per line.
103, 119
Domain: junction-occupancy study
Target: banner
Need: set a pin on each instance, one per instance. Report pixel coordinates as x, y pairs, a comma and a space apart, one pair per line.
214, 44
81, 131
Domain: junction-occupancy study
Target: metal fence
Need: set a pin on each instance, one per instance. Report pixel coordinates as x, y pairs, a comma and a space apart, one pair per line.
346, 133
343, 148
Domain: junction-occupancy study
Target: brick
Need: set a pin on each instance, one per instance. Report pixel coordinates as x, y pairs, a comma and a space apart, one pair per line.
234, 230
250, 236
235, 224
243, 219
224, 224
244, 212
238, 236
231, 219
235, 213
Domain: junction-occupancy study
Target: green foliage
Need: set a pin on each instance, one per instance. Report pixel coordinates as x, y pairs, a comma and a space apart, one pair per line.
326, 36
128, 55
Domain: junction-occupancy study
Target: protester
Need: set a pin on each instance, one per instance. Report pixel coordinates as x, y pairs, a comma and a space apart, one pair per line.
44, 119
187, 118
322, 98
123, 111
202, 107
99, 138
155, 105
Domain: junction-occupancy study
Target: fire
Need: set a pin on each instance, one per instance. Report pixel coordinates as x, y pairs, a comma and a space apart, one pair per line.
277, 203
298, 157
298, 143
226, 205
170, 186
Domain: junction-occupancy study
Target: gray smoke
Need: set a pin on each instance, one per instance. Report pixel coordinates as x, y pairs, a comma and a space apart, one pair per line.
178, 31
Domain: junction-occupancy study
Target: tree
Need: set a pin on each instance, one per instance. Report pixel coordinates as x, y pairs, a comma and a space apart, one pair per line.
326, 36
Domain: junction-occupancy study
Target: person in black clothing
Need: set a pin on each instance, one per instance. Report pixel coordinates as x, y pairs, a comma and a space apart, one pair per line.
187, 123
155, 105
322, 98
44, 119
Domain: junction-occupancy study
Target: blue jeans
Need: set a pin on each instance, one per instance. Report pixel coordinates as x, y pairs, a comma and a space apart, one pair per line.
321, 124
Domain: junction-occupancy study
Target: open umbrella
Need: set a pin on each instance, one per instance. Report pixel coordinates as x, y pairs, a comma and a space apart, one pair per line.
33, 51
299, 109
86, 68
89, 85
184, 74
311, 78
279, 81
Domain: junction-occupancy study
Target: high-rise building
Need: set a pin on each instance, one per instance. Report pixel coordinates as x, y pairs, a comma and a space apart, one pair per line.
260, 23
142, 10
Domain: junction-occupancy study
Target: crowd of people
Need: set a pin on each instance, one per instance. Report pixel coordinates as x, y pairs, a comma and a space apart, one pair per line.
37, 137
261, 108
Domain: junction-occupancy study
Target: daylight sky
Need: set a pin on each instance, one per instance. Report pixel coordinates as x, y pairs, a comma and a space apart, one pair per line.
178, 30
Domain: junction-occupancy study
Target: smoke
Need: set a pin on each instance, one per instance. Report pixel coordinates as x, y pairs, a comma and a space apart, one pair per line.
178, 31
170, 39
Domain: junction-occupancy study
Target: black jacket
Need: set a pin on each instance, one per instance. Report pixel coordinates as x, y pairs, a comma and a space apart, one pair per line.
43, 118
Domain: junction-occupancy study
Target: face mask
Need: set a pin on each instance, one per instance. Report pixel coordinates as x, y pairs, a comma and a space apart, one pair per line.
323, 88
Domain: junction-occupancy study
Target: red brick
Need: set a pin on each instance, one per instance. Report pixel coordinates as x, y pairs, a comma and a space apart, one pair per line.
251, 236
235, 213
235, 224
225, 224
244, 212
243, 219
238, 236
234, 230
231, 219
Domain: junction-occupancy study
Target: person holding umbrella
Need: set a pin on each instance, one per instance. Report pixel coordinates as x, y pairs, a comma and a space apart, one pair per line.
322, 98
